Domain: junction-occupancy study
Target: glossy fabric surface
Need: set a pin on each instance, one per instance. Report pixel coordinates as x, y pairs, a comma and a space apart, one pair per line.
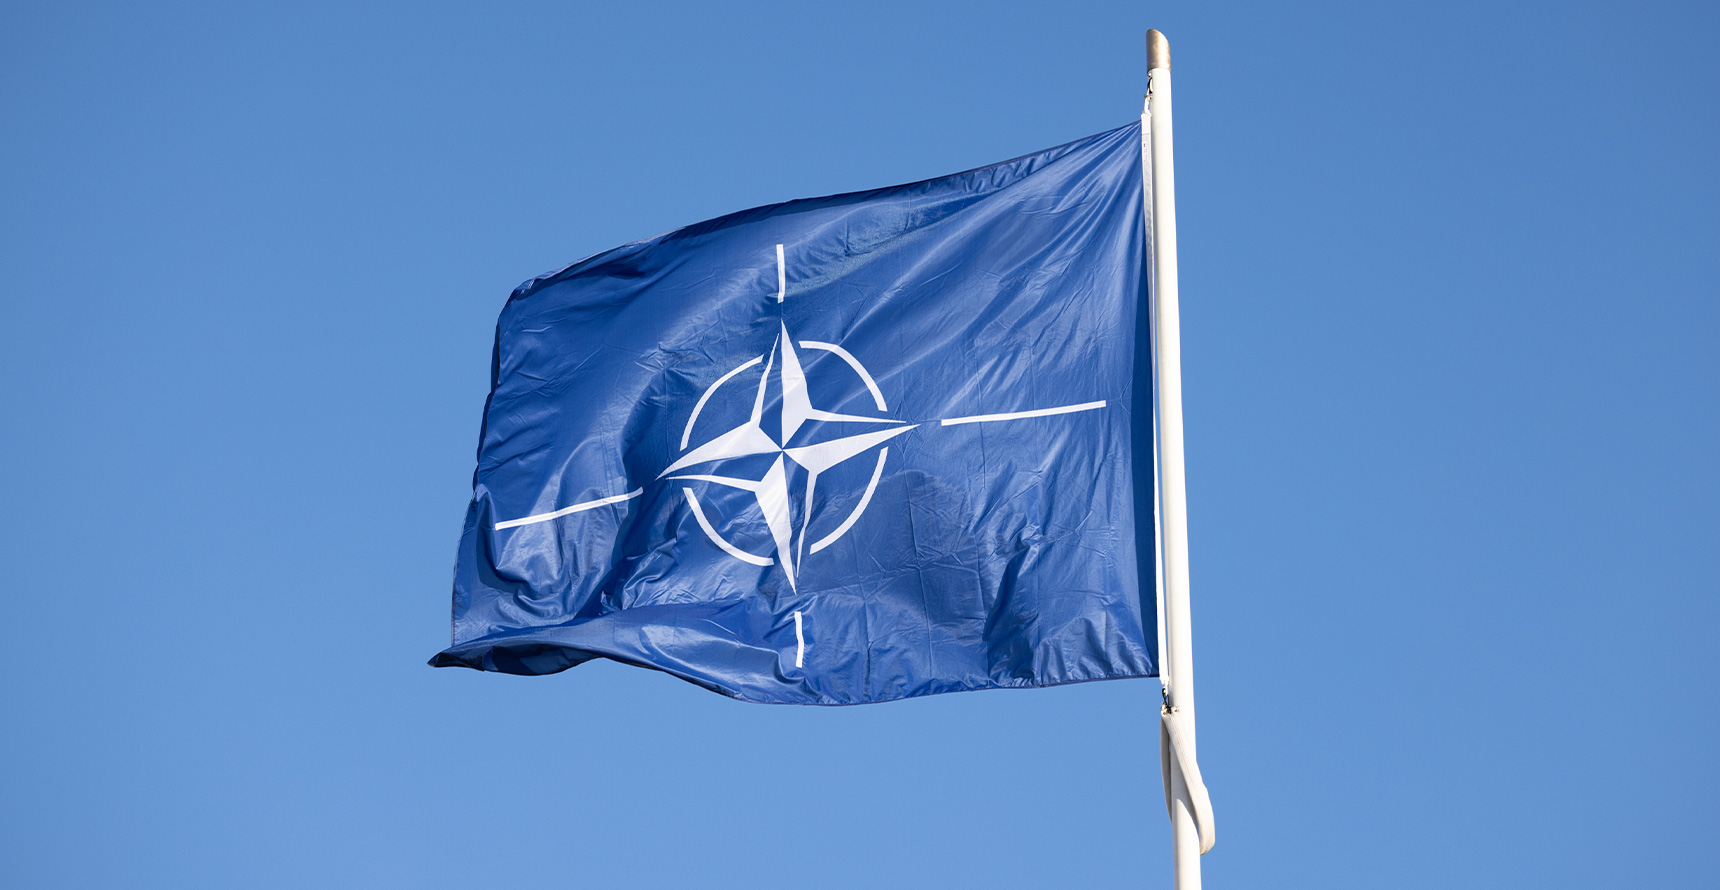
832, 451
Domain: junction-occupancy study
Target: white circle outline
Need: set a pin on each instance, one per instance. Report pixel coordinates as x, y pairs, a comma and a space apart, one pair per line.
865, 499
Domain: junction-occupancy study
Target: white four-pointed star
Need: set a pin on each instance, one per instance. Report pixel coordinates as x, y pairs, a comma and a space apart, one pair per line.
750, 439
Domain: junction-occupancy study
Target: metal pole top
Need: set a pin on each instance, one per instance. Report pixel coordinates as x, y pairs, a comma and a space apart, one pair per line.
1158, 50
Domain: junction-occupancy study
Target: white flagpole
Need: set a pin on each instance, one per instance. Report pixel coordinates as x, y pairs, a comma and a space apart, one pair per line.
1190, 810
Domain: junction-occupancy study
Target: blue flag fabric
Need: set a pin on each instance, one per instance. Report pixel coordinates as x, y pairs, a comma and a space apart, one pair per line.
832, 451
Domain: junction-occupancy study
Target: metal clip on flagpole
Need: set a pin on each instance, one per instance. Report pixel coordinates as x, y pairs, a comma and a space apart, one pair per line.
1185, 793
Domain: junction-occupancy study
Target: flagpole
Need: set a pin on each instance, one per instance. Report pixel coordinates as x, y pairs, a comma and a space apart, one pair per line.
1190, 810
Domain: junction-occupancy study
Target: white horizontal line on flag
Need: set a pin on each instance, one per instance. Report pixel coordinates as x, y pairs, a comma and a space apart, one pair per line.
1020, 415
576, 508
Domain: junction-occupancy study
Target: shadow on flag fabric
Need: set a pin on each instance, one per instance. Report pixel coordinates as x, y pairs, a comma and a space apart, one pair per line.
832, 451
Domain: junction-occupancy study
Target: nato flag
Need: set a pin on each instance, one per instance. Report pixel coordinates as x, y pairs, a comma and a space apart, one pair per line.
832, 451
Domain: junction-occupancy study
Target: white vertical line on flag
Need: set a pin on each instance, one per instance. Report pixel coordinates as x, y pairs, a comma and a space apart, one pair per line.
799, 642
781, 275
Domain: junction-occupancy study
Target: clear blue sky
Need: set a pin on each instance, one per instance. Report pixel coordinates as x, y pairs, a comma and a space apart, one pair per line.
1449, 286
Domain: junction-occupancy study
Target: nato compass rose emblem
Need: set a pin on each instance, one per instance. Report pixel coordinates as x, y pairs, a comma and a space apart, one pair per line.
767, 455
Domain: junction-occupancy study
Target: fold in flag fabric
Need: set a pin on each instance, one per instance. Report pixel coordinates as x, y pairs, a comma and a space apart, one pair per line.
832, 451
